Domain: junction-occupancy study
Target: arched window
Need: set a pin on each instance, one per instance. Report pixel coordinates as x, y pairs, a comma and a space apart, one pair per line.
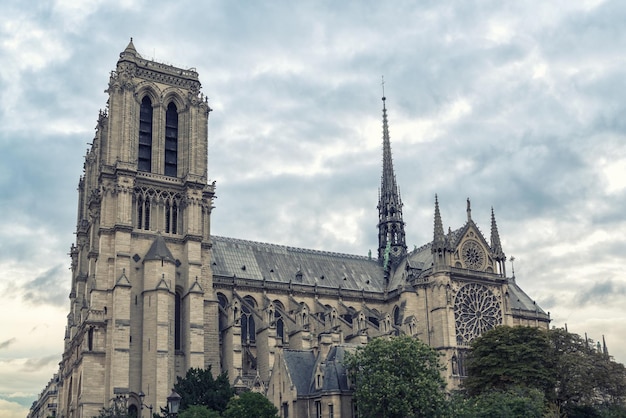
143, 212
373, 317
132, 411
348, 315
144, 158
222, 318
171, 217
280, 327
396, 316
90, 339
177, 321
279, 321
248, 329
171, 140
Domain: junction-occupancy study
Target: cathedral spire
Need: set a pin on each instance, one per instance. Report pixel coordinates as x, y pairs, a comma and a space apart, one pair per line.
391, 238
439, 239
496, 246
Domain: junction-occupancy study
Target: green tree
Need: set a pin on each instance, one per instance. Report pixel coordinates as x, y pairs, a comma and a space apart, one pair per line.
198, 411
585, 378
509, 357
116, 410
512, 403
397, 377
198, 387
250, 404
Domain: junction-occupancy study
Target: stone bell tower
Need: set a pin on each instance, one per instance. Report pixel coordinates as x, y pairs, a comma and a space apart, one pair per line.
142, 288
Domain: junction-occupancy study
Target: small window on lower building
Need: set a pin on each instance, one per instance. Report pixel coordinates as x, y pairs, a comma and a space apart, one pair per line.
318, 409
331, 410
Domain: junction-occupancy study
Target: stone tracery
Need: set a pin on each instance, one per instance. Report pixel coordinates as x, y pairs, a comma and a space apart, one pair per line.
476, 310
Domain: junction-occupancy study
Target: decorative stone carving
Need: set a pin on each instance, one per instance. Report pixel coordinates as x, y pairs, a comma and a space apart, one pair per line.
476, 310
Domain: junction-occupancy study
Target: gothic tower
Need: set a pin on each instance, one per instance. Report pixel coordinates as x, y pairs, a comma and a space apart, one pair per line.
391, 237
142, 286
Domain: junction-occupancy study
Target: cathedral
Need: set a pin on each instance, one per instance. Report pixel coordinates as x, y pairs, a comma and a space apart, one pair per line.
153, 293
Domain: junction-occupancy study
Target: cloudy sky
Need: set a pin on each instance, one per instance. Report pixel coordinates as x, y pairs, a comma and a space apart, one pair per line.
516, 105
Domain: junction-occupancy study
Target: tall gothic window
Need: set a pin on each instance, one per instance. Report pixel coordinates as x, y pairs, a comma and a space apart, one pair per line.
171, 140
280, 322
143, 213
144, 158
248, 329
171, 217
223, 319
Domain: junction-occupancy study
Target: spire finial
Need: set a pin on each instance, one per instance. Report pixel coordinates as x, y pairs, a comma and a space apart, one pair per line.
383, 84
469, 210
512, 259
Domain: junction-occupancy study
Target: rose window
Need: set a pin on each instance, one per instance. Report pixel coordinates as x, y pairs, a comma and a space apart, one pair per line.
473, 255
476, 310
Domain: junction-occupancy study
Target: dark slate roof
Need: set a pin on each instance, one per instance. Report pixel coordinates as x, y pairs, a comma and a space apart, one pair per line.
520, 300
256, 260
300, 365
335, 374
159, 251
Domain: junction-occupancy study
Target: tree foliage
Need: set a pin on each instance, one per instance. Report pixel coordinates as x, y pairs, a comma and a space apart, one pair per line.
114, 411
198, 387
250, 404
512, 403
397, 377
577, 379
508, 357
584, 376
198, 411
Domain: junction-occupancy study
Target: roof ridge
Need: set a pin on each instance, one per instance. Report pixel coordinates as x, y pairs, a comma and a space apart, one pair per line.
290, 248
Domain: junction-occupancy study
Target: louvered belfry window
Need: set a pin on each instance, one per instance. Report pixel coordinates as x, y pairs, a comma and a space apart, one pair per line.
171, 140
144, 158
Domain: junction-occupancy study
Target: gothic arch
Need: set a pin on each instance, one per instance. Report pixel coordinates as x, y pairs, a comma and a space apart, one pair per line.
248, 325
278, 305
278, 320
303, 314
397, 319
147, 88
173, 95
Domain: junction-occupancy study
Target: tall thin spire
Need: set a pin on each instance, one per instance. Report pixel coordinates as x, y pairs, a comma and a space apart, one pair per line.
496, 245
391, 237
439, 239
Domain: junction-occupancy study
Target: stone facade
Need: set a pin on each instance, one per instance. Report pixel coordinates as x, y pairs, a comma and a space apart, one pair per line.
154, 293
46, 405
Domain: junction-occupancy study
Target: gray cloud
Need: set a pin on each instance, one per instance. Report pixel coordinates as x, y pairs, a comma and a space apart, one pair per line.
7, 343
604, 291
49, 288
518, 106
35, 364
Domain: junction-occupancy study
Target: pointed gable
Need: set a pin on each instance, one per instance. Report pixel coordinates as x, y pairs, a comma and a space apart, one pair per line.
123, 281
299, 365
159, 251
